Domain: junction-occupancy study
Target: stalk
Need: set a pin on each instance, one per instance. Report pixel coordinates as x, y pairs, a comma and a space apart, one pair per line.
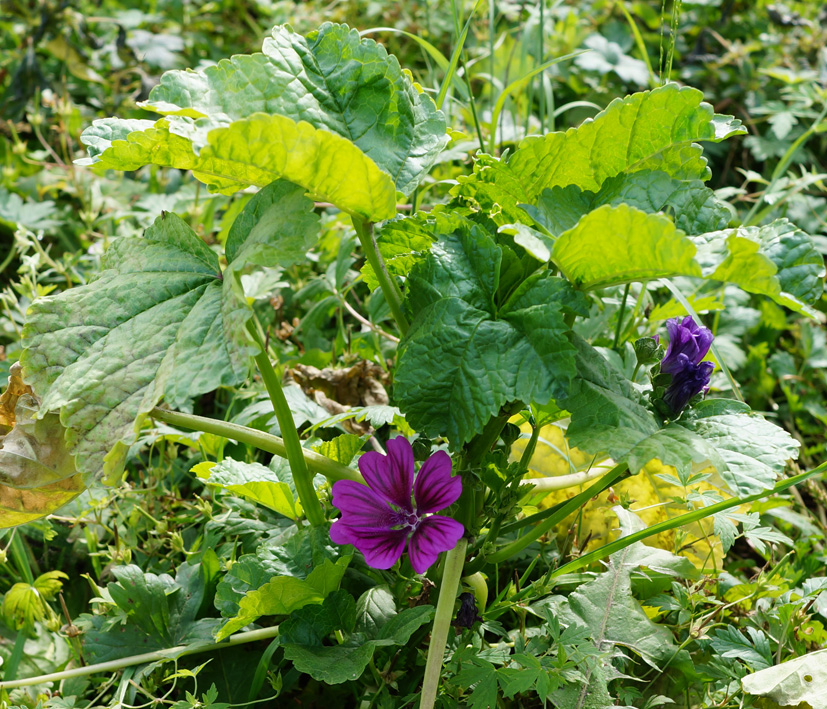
454, 561
680, 521
317, 463
617, 473
293, 447
132, 660
390, 289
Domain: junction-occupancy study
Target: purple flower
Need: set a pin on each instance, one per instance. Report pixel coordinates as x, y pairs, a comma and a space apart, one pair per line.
394, 510
686, 338
688, 345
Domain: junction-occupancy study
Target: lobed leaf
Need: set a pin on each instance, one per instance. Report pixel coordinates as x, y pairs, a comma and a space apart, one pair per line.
256, 482
469, 337
650, 130
332, 79
256, 151
104, 354
608, 416
620, 244
692, 205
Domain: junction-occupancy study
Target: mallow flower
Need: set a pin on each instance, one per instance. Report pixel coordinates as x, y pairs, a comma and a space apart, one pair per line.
394, 509
688, 345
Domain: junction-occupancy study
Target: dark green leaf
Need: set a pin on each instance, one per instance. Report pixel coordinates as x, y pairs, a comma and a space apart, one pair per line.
468, 336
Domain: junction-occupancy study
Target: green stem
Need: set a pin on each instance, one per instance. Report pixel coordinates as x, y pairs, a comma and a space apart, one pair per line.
317, 463
454, 561
620, 316
681, 520
293, 447
292, 444
618, 472
160, 655
390, 289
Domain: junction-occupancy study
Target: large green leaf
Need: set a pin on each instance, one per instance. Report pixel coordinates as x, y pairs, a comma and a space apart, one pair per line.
651, 130
279, 580
159, 320
332, 79
620, 244
470, 337
777, 259
256, 151
691, 204
615, 618
103, 354
608, 416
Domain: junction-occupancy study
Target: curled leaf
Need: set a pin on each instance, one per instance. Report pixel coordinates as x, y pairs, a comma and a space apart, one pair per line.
37, 473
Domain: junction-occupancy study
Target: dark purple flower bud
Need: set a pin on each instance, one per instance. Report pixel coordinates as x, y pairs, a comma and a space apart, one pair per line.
467, 614
394, 510
689, 379
687, 340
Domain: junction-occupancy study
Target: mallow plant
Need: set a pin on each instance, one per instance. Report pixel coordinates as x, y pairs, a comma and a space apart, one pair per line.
518, 299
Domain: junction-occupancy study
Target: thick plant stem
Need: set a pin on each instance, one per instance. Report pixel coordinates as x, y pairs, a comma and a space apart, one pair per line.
293, 447
317, 463
390, 289
454, 561
115, 665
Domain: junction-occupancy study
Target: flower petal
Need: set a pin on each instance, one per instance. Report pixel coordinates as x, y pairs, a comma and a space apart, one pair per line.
391, 476
434, 535
361, 506
434, 488
381, 550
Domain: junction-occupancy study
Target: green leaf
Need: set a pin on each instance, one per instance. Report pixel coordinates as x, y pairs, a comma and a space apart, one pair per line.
343, 448
608, 609
277, 227
777, 259
34, 215
257, 151
256, 482
279, 580
753, 451
793, 683
334, 80
279, 596
609, 417
619, 244
374, 618
24, 603
691, 204
374, 609
403, 242
468, 336
152, 612
651, 130
481, 676
729, 642
103, 354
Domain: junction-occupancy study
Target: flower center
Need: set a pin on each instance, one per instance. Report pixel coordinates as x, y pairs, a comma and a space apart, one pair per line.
406, 520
